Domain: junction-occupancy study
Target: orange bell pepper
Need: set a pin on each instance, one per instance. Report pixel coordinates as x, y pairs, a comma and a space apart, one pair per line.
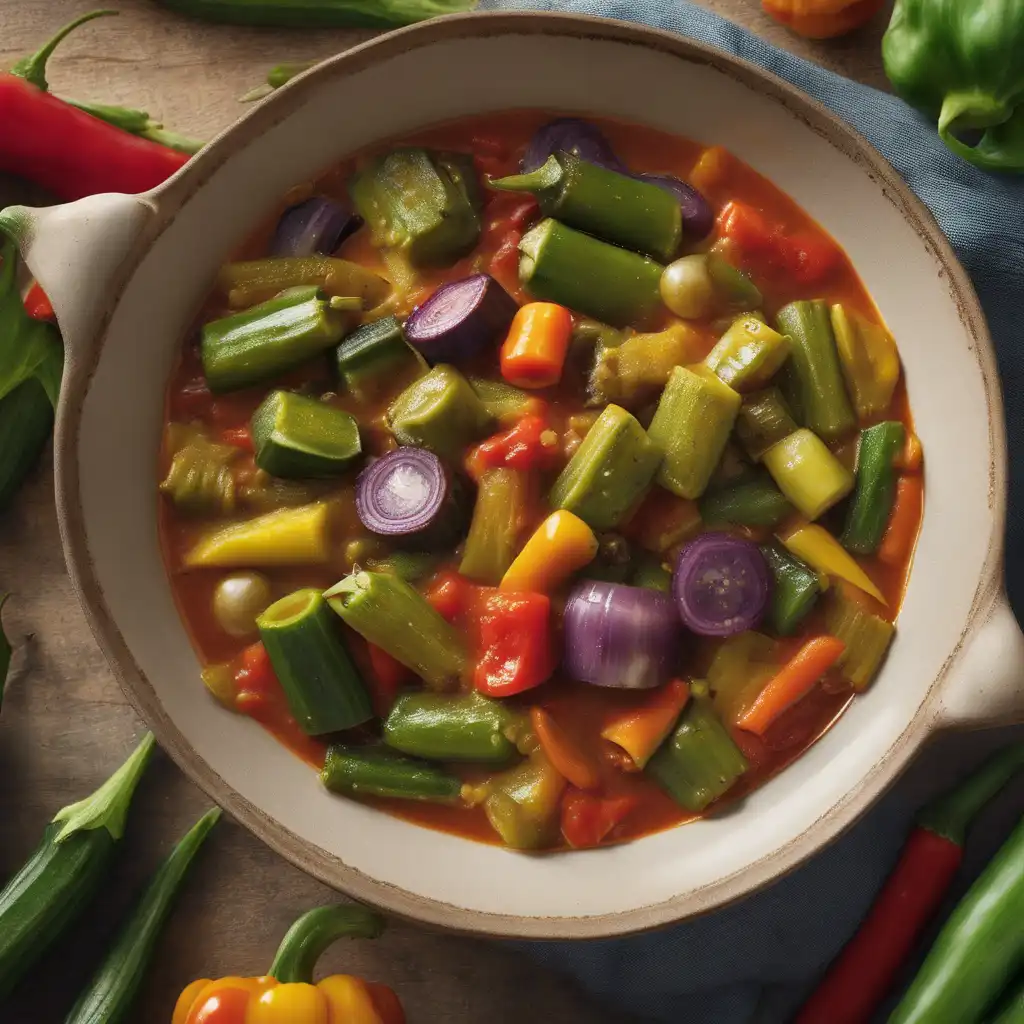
534, 352
287, 994
822, 19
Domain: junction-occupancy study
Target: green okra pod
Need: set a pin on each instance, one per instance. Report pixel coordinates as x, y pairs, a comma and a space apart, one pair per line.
296, 436
699, 762
748, 355
386, 611
560, 264
603, 203
324, 690
869, 512
795, 591
867, 637
380, 772
444, 727
752, 502
376, 358
692, 424
498, 516
814, 362
440, 412
109, 997
764, 420
808, 473
248, 348
610, 471
424, 203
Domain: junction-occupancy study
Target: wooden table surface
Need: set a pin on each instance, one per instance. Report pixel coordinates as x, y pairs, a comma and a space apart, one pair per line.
65, 723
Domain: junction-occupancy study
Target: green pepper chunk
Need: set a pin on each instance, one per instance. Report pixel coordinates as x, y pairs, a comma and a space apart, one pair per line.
962, 62
692, 424
199, 480
795, 592
562, 265
440, 411
424, 203
380, 772
251, 347
876, 487
609, 472
620, 209
699, 762
439, 727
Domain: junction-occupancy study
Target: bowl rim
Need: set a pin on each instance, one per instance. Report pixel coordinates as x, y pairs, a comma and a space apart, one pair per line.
305, 855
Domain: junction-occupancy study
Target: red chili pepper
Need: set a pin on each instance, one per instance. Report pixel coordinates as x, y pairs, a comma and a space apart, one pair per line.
37, 303
515, 640
587, 820
388, 676
862, 975
530, 444
70, 153
240, 437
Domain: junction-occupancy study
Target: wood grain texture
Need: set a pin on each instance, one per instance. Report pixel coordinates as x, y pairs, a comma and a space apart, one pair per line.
65, 724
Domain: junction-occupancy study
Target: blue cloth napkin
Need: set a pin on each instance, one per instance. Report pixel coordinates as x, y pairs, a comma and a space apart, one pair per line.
714, 970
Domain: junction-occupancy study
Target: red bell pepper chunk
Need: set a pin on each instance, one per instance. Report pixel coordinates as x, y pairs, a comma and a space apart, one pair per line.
505, 262
746, 226
515, 642
587, 820
37, 303
808, 257
530, 444
255, 682
240, 437
387, 677
449, 595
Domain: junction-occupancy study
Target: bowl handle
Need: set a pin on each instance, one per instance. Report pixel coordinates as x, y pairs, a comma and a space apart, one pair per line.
986, 685
75, 252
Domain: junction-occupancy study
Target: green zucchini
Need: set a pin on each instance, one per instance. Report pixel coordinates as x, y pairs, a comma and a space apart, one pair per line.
109, 996
63, 875
324, 690
295, 436
378, 771
376, 357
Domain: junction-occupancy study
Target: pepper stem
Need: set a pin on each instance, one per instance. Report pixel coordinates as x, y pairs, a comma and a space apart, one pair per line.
544, 180
108, 806
33, 67
1001, 148
308, 939
951, 814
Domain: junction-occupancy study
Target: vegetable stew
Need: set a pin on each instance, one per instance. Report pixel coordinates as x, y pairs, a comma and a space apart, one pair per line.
542, 480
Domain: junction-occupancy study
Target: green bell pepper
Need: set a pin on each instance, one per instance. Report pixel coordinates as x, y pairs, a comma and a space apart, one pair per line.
962, 61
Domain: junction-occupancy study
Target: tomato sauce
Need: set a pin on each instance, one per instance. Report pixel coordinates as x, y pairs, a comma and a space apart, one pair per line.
497, 142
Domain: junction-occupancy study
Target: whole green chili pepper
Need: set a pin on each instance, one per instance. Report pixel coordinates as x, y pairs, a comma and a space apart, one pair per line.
979, 950
962, 61
318, 13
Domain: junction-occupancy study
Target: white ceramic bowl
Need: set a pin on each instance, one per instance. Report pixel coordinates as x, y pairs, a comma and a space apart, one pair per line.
126, 275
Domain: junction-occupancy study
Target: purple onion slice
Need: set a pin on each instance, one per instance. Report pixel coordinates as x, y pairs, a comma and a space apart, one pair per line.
721, 585
313, 226
571, 135
620, 636
408, 496
698, 217
461, 320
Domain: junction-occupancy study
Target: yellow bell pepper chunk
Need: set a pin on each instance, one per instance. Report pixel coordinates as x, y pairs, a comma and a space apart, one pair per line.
561, 544
289, 536
870, 361
823, 553
295, 1002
